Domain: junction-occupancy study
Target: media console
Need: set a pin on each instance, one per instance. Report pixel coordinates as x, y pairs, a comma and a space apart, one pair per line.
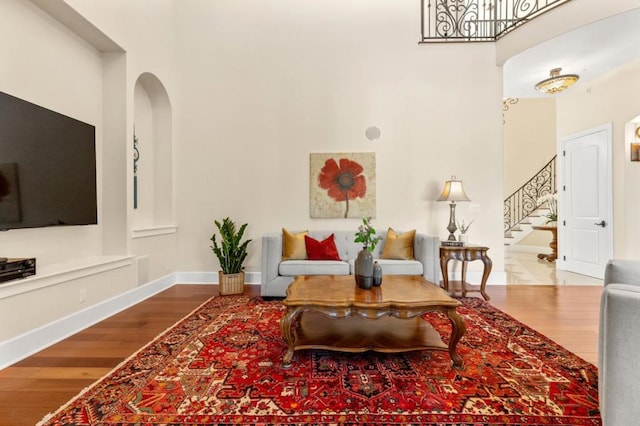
12, 269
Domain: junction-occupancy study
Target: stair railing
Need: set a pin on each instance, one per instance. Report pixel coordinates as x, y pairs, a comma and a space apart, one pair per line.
524, 200
477, 20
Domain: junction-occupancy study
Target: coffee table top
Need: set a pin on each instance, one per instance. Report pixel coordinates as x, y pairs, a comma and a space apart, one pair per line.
400, 291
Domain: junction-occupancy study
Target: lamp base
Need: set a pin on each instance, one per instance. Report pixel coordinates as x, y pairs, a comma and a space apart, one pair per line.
452, 228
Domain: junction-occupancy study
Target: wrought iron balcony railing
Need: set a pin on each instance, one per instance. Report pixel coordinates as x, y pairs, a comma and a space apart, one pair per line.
477, 20
524, 201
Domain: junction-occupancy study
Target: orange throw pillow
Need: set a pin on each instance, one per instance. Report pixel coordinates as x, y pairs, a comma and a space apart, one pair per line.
293, 247
399, 246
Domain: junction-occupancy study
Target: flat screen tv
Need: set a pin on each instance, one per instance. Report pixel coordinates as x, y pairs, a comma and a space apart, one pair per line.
47, 167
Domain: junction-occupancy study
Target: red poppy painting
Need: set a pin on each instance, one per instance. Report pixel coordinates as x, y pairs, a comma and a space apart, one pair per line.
342, 185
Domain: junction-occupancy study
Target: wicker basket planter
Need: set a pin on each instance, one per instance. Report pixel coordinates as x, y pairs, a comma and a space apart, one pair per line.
231, 283
231, 253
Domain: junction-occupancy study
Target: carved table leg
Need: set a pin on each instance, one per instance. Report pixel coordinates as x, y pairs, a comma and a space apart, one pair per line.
488, 264
463, 283
458, 328
289, 334
444, 263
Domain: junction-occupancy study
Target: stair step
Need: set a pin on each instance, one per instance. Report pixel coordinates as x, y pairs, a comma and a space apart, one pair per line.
521, 229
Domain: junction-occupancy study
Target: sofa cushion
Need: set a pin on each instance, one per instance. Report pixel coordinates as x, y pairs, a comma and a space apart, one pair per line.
321, 250
292, 268
400, 267
293, 246
399, 246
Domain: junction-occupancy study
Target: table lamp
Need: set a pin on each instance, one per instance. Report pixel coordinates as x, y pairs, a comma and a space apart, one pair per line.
453, 192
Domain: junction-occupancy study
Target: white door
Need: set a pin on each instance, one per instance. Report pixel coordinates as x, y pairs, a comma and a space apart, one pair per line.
585, 240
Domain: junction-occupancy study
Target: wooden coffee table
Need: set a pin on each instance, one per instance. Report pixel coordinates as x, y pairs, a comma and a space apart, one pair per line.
333, 313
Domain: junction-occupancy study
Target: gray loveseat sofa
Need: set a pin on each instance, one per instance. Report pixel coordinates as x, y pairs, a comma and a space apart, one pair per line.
276, 274
619, 344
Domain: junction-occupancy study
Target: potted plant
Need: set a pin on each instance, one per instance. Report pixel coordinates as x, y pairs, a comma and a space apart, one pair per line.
367, 235
231, 253
363, 264
463, 231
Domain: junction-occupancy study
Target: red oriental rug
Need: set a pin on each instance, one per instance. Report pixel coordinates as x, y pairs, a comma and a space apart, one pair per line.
222, 364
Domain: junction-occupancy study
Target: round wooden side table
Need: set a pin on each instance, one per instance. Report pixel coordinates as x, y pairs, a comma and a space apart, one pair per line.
553, 244
465, 254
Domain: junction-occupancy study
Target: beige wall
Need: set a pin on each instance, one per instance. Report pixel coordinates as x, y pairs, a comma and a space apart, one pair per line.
52, 67
613, 98
265, 83
56, 61
529, 140
529, 144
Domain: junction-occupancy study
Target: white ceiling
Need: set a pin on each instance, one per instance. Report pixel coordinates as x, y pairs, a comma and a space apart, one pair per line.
589, 51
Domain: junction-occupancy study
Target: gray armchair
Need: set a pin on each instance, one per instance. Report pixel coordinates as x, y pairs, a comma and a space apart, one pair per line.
619, 344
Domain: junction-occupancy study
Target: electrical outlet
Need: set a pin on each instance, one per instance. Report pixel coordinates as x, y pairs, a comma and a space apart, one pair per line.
83, 295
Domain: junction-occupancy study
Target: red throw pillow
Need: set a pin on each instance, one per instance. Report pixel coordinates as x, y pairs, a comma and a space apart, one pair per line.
321, 250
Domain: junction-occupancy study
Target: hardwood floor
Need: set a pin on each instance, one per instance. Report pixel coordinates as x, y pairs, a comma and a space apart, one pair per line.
567, 315
43, 382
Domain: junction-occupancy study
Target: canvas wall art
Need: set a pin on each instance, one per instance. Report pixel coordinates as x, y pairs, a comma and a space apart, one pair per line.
342, 185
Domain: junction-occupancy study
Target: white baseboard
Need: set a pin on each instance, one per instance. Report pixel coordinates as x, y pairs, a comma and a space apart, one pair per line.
27, 344
253, 278
212, 278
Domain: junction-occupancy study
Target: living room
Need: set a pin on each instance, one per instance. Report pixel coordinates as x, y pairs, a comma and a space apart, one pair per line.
245, 92
218, 77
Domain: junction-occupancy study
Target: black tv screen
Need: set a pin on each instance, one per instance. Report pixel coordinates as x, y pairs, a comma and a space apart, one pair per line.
47, 167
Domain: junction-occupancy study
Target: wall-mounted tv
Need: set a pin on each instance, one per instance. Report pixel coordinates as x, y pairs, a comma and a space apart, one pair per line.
47, 167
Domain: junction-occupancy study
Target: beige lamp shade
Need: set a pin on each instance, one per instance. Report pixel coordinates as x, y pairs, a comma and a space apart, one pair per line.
453, 191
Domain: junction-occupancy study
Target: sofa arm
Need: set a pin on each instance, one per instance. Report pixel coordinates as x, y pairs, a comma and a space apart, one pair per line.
427, 250
622, 272
618, 349
271, 257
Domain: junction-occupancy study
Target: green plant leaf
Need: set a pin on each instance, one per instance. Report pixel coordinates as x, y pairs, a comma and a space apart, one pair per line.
231, 251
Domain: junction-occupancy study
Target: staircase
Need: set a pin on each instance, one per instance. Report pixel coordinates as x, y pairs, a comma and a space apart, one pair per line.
521, 209
525, 226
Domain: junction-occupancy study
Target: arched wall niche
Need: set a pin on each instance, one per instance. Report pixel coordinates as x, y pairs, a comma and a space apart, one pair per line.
153, 172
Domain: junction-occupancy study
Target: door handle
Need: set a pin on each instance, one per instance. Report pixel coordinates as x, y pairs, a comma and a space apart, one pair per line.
601, 223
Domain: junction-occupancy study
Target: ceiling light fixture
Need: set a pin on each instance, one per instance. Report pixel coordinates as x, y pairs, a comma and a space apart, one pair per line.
557, 83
